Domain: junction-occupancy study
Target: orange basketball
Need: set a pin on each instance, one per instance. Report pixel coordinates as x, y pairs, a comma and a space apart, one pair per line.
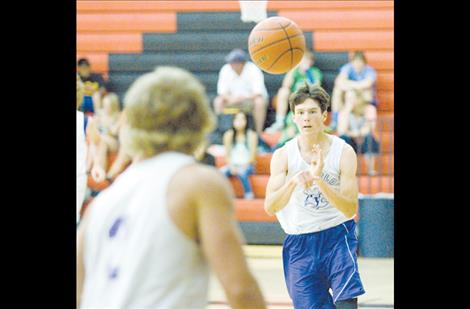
276, 45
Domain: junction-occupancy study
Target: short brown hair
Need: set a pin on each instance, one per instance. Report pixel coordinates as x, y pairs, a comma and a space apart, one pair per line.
313, 92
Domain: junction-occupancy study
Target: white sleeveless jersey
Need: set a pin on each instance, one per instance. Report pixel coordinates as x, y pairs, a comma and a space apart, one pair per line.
81, 162
308, 210
135, 256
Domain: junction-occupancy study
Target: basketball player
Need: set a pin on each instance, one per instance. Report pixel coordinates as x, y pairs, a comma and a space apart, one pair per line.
313, 191
148, 240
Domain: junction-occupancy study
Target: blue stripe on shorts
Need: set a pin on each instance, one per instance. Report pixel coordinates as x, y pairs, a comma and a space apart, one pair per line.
316, 262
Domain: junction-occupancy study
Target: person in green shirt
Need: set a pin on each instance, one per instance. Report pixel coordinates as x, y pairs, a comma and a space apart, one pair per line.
305, 71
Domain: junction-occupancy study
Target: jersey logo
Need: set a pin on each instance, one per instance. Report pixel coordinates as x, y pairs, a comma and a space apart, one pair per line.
314, 199
116, 233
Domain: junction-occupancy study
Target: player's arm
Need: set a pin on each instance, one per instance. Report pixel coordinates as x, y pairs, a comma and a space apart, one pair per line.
346, 200
278, 190
221, 239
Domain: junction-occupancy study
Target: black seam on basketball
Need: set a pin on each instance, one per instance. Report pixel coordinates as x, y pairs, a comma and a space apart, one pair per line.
272, 43
278, 58
290, 46
296, 48
289, 25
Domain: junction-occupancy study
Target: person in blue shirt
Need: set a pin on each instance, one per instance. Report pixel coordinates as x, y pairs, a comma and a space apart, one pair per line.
355, 75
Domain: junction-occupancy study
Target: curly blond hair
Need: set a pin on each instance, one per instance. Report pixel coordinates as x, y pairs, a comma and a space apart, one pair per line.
166, 110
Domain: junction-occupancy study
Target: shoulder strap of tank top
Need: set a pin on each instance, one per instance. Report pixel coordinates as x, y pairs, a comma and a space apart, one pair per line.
291, 148
336, 150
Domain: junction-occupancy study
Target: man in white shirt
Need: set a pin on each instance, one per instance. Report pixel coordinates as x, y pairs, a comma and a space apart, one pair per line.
241, 85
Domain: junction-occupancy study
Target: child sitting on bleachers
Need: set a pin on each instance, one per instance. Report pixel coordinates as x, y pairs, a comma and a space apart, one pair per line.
241, 144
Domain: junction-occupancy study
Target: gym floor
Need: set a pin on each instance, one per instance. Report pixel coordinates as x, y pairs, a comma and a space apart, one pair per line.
377, 275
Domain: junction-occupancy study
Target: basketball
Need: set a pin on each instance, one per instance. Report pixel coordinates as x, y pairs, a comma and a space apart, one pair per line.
276, 45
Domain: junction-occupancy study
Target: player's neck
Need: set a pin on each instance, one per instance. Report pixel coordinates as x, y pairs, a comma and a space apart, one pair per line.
306, 142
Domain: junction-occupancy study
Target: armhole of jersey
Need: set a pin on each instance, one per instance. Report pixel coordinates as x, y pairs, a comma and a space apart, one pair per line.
290, 153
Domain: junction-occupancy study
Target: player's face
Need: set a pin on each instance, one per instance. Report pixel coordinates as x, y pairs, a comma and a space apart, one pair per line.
308, 117
239, 122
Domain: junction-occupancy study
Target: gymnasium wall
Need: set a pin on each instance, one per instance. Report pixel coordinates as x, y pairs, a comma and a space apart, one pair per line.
119, 27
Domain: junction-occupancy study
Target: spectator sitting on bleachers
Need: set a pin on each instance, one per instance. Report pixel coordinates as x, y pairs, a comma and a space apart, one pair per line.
108, 122
241, 86
360, 130
81, 150
304, 71
94, 87
355, 75
240, 151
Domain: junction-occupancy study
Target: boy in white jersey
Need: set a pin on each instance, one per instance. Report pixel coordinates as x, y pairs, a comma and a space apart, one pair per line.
313, 191
148, 240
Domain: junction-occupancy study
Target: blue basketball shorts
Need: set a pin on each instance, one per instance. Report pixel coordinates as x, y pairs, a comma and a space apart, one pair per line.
316, 262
